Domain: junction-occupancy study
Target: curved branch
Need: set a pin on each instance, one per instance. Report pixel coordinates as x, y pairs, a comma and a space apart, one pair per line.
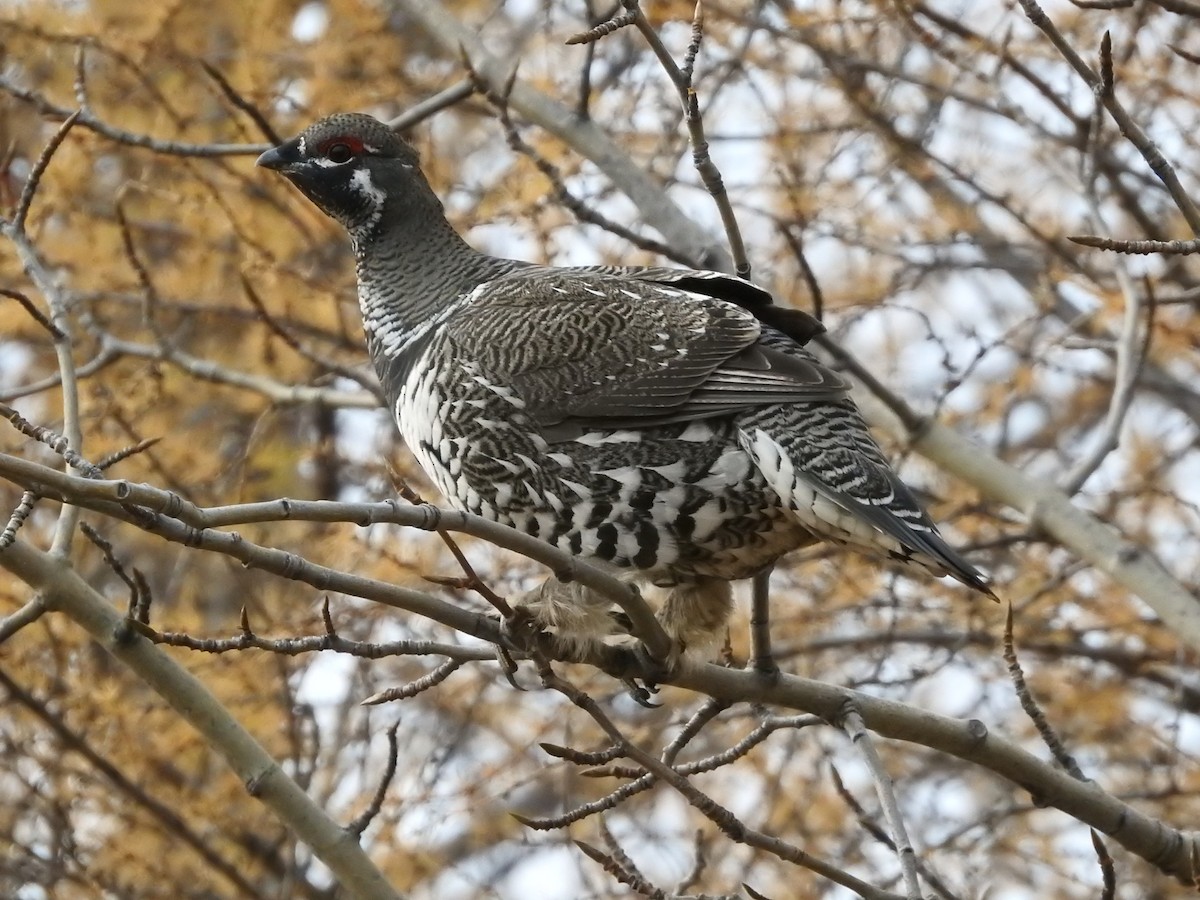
66, 592
170, 516
1171, 850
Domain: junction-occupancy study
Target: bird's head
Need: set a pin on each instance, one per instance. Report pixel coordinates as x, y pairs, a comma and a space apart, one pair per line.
352, 166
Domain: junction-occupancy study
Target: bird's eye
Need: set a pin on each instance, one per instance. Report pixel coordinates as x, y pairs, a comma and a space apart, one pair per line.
339, 153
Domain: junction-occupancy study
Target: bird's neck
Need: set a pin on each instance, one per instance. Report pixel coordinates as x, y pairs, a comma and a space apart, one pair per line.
410, 272
412, 267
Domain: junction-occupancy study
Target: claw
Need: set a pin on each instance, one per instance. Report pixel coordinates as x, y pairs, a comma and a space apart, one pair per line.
653, 671
508, 666
641, 693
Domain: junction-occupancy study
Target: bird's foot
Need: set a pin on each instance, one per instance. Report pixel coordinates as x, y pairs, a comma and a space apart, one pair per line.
523, 629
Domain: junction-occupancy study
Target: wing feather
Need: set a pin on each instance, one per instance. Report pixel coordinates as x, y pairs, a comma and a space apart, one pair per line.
619, 352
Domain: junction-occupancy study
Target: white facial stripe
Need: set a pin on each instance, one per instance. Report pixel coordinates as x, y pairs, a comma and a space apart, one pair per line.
361, 182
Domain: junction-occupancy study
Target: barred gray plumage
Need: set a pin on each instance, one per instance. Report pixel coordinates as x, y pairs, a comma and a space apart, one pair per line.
665, 422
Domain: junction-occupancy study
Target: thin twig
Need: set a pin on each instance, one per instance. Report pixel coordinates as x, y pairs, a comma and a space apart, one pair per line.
414, 115
231, 94
1132, 350
285, 335
596, 32
166, 817
580, 757
329, 642
419, 686
110, 558
1129, 127
1140, 248
36, 314
853, 724
89, 120
723, 818
1108, 871
709, 710
709, 174
1049, 736
360, 823
26, 615
614, 865
265, 778
562, 194
111, 459
473, 581
20, 515
52, 439
699, 864
39, 169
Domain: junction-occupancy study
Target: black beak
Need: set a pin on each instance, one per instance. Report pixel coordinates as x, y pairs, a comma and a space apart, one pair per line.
281, 157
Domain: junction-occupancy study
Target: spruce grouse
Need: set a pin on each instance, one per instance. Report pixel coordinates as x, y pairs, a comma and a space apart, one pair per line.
664, 422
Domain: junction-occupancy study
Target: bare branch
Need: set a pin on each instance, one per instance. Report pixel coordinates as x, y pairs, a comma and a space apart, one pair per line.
885, 790
422, 684
34, 313
265, 780
90, 121
360, 823
39, 169
26, 615
1129, 128
1049, 737
167, 818
255, 114
445, 99
1143, 248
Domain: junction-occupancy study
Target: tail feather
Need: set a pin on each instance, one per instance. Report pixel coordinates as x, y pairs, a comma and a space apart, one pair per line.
843, 490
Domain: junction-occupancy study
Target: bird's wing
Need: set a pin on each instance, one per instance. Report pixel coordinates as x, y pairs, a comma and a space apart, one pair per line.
796, 324
586, 349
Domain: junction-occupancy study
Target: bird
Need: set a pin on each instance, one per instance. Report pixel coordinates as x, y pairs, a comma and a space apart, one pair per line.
666, 424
